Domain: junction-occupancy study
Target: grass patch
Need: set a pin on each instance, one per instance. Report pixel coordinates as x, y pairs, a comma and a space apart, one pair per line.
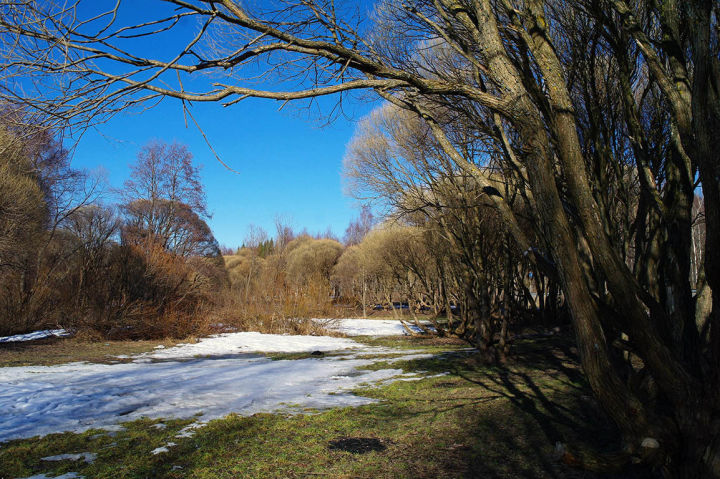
430, 343
474, 421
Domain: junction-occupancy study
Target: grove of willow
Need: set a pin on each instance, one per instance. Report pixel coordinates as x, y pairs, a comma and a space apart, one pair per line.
569, 144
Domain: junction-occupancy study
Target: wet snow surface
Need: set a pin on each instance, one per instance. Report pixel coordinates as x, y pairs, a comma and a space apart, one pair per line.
88, 457
369, 327
234, 343
210, 378
68, 475
34, 335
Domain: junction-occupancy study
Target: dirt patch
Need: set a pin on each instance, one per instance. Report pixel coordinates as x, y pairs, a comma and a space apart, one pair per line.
357, 445
438, 341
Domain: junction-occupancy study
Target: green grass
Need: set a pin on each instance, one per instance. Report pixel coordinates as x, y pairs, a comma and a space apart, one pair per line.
413, 342
473, 421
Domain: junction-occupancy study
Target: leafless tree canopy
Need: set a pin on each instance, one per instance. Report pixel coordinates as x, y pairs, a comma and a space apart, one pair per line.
165, 200
99, 64
359, 227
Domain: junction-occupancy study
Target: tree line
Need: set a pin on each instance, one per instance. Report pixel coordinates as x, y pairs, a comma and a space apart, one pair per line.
146, 267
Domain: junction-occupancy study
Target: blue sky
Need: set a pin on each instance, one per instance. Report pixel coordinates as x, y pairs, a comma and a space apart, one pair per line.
288, 164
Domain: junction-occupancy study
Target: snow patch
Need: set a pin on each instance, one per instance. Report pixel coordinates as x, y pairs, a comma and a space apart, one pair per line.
206, 380
88, 457
249, 342
38, 400
162, 449
409, 357
368, 327
47, 333
189, 431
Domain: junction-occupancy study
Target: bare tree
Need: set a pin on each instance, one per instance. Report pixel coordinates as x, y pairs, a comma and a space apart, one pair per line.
165, 201
166, 172
255, 237
359, 227
23, 212
41, 197
393, 158
284, 233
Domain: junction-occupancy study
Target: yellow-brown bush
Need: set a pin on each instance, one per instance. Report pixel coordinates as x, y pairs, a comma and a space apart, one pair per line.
281, 291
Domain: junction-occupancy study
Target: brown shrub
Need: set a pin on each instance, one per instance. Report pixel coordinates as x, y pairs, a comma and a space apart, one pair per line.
145, 292
233, 313
280, 292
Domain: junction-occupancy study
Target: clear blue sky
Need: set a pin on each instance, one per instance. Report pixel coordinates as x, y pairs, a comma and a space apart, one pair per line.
288, 163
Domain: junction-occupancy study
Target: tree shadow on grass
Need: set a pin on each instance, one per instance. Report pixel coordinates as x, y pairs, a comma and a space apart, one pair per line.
538, 399
475, 421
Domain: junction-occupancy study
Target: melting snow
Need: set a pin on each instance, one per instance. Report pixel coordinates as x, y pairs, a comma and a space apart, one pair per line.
189, 431
369, 327
88, 457
162, 449
38, 400
34, 335
235, 343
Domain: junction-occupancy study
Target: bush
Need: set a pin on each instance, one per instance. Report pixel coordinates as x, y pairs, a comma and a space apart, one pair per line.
148, 292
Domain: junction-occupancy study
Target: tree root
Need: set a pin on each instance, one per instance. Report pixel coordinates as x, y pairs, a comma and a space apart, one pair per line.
592, 461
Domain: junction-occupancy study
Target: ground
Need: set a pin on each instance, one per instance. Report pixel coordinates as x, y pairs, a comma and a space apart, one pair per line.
453, 418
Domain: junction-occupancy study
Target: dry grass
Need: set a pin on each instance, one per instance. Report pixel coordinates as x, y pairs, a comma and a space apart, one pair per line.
235, 315
47, 352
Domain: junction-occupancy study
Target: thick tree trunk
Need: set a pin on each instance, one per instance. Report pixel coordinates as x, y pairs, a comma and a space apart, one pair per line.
625, 409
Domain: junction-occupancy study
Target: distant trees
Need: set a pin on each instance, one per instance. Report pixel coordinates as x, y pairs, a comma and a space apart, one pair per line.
359, 227
350, 274
164, 200
311, 259
274, 283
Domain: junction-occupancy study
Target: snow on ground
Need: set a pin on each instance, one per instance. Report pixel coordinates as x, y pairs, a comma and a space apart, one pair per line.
67, 475
212, 378
234, 343
34, 335
368, 327
88, 457
79, 396
162, 449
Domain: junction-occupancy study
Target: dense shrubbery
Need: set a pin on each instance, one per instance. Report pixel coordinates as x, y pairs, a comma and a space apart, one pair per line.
67, 260
287, 282
455, 264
